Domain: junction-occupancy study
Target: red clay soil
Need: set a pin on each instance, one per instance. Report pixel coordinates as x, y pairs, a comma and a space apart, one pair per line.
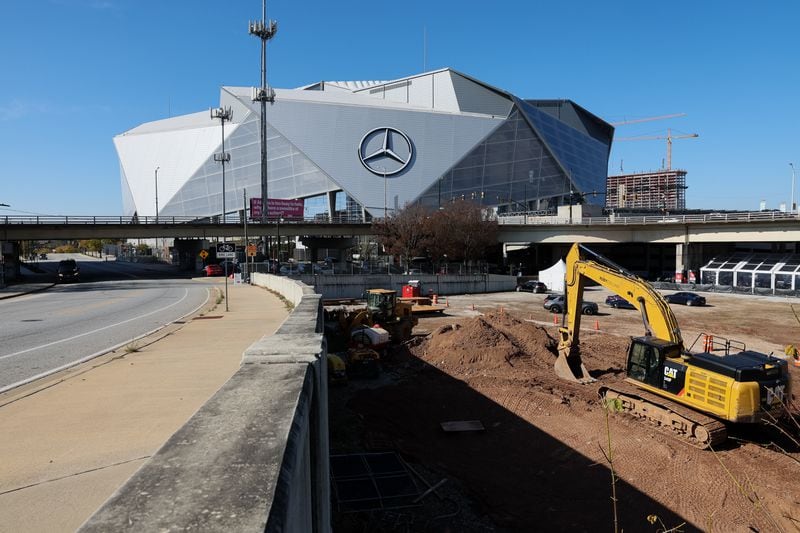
542, 462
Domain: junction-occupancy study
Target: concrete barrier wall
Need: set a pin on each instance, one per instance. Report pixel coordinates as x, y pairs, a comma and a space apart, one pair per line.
255, 456
344, 286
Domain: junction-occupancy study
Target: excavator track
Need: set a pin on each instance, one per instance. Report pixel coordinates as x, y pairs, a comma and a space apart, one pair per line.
688, 425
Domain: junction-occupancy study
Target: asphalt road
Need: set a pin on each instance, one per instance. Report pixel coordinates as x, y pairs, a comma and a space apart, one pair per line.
113, 304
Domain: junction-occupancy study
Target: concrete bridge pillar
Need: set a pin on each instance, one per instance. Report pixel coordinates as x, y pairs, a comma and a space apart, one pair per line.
688, 257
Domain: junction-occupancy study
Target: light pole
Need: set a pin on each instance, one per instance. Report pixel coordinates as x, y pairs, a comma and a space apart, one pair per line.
383, 171
2, 260
156, 173
223, 114
792, 206
157, 194
264, 30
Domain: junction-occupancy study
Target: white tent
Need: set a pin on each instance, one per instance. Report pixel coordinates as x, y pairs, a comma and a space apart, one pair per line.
553, 277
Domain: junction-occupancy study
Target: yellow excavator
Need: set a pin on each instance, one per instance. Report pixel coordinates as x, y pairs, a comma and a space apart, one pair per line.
688, 394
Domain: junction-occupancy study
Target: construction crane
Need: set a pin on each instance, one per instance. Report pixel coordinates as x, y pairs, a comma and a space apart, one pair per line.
669, 139
648, 119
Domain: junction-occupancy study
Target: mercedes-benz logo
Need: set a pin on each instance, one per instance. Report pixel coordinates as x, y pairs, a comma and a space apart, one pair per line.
385, 151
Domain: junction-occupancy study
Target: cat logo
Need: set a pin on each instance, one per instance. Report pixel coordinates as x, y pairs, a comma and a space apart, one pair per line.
670, 373
775, 394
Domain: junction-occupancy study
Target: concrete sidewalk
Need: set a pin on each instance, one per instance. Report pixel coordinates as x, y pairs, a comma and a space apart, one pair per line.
69, 441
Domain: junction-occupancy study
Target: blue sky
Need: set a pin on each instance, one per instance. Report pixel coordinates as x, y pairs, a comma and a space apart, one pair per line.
78, 72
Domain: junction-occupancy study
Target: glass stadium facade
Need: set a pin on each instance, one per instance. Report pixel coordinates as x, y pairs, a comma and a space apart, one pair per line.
353, 150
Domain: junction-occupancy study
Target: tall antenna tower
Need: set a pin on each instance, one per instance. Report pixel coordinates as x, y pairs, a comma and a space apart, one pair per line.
264, 30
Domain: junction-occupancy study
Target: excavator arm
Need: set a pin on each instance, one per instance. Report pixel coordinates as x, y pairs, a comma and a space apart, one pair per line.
583, 265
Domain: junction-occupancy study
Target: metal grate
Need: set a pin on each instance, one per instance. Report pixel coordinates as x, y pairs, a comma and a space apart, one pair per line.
372, 481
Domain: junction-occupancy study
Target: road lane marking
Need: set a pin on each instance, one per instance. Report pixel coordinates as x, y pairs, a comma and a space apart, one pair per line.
186, 291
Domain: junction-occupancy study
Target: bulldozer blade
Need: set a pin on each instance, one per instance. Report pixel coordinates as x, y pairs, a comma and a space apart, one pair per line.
571, 368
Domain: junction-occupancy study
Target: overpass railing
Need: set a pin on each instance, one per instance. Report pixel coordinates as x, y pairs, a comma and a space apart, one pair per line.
159, 220
745, 216
512, 218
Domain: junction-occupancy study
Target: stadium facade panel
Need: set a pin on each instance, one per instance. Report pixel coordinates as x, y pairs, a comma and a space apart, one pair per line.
359, 149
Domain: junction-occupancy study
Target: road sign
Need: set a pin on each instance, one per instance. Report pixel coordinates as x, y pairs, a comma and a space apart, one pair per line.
203, 254
251, 250
226, 250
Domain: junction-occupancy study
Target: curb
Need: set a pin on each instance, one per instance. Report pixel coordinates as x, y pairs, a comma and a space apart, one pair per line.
23, 293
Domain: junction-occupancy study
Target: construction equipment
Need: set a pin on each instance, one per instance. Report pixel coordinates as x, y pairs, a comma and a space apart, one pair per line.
690, 394
382, 320
669, 137
412, 293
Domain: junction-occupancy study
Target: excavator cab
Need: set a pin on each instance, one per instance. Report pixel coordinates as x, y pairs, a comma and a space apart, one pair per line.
646, 357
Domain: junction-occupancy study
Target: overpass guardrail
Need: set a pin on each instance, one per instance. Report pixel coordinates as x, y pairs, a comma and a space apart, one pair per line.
509, 219
744, 216
145, 221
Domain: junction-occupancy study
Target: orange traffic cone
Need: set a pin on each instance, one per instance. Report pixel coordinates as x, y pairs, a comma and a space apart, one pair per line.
597, 325
555, 319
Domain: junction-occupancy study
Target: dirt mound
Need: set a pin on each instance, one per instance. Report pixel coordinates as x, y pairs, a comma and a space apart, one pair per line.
487, 342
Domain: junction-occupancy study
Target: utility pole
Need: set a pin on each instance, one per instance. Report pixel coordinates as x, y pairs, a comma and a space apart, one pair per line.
223, 114
157, 194
792, 206
156, 172
264, 30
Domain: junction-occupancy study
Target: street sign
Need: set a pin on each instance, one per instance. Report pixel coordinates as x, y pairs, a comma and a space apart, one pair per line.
226, 250
203, 254
251, 250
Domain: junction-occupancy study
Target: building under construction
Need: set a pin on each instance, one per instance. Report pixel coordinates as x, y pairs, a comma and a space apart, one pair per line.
664, 190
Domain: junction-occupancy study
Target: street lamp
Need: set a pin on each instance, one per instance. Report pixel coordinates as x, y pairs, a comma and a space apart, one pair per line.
157, 194
383, 171
223, 114
792, 206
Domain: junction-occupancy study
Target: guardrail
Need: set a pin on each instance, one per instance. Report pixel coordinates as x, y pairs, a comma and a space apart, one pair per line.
538, 218
145, 221
745, 216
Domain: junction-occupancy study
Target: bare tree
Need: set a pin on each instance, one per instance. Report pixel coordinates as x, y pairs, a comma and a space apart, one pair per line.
464, 232
459, 231
406, 233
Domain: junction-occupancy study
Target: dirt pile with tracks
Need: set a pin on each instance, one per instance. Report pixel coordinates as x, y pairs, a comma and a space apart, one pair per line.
541, 461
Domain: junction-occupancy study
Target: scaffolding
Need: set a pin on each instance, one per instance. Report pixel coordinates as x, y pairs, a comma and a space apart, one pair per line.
663, 190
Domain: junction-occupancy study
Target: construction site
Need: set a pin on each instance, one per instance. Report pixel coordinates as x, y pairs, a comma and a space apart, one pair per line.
468, 427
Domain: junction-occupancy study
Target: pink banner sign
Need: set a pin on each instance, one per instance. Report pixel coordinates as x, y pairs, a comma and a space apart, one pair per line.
278, 208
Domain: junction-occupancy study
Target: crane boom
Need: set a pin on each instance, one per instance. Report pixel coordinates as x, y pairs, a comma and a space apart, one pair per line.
669, 137
647, 119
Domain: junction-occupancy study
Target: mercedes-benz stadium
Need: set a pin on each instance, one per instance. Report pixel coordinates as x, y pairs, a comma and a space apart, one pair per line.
359, 149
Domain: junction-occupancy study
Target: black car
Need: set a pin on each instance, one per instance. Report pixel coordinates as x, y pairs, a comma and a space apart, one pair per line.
619, 302
557, 305
685, 298
532, 286
68, 271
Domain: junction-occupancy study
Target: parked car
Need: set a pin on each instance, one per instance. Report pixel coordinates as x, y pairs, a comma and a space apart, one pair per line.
68, 271
685, 298
213, 270
43, 256
532, 286
557, 304
619, 302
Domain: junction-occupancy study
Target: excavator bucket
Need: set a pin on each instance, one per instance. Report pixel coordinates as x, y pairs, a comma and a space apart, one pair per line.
571, 368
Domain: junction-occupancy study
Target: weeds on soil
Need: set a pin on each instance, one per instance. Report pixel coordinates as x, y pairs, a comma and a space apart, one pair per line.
747, 490
611, 404
133, 347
